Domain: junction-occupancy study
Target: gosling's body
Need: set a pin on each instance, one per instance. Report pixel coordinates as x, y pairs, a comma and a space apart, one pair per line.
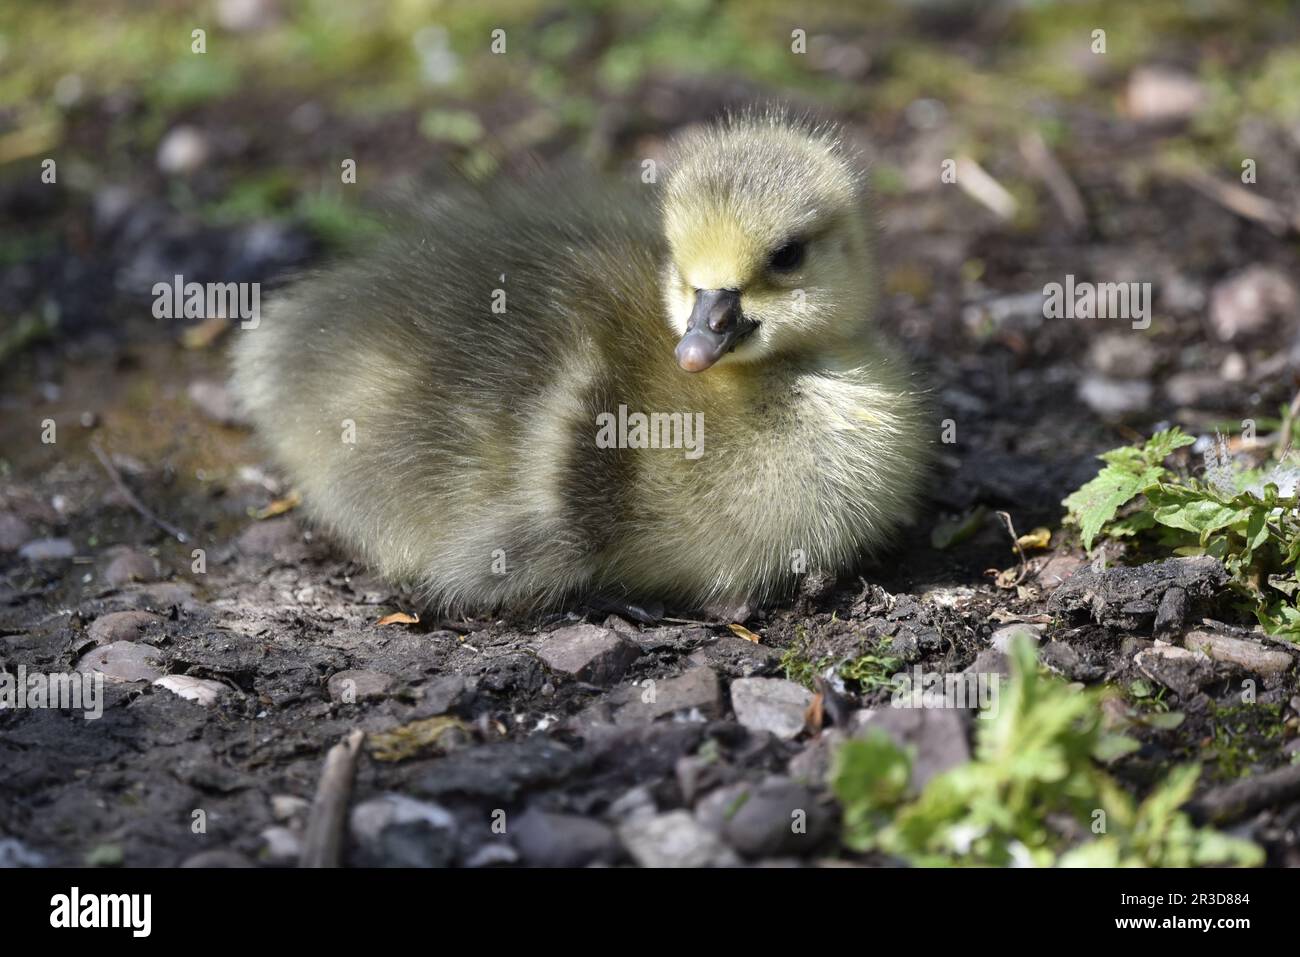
456, 448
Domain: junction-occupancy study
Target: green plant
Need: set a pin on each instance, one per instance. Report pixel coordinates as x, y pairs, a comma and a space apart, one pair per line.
1237, 515
1033, 789
1241, 736
872, 669
1129, 471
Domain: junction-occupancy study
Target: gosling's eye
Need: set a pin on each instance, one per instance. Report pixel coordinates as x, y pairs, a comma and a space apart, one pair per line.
788, 257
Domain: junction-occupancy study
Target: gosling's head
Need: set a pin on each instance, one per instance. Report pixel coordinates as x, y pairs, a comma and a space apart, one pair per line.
768, 242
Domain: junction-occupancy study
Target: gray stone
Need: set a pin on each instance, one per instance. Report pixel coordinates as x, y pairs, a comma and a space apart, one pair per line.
696, 774
444, 694
771, 704
736, 657
47, 550
1114, 398
161, 596
182, 150
674, 839
588, 653
1056, 570
1002, 639
695, 693
1181, 671
1196, 389
936, 735
281, 846
989, 661
220, 857
121, 626
123, 661
349, 687
1250, 302
563, 840
495, 854
1250, 655
202, 691
501, 771
14, 853
130, 566
1161, 94
716, 808
1172, 612
247, 16
397, 831
777, 818
13, 532
276, 538
812, 765
289, 808
1122, 355
634, 802
621, 625
678, 638
1065, 660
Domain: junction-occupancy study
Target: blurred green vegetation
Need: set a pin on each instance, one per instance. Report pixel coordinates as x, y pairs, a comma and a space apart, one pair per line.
1035, 793
996, 69
983, 60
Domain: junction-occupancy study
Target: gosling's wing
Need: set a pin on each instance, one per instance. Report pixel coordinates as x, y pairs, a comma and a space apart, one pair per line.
442, 382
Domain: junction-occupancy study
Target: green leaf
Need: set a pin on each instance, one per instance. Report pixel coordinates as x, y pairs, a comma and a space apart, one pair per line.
1202, 516
869, 777
1162, 444
1129, 471
948, 533
1097, 502
1165, 720
1033, 773
1112, 747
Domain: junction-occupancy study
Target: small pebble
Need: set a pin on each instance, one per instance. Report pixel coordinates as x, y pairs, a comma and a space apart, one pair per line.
47, 550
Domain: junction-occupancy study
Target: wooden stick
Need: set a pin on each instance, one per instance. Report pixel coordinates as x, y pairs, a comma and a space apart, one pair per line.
1288, 425
1046, 166
131, 498
1235, 801
1234, 198
976, 183
322, 844
1015, 542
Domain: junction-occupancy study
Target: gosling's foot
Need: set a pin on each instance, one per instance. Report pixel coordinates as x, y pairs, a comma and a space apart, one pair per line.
644, 613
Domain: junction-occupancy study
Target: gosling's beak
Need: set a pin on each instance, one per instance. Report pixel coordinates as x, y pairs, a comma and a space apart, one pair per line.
715, 328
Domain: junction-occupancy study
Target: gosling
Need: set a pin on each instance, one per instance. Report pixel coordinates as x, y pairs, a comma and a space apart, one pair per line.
566, 390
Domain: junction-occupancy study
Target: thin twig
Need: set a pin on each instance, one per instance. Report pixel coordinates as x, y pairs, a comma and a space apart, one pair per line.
1232, 802
322, 844
1288, 423
1048, 168
976, 182
131, 498
1015, 540
1236, 199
